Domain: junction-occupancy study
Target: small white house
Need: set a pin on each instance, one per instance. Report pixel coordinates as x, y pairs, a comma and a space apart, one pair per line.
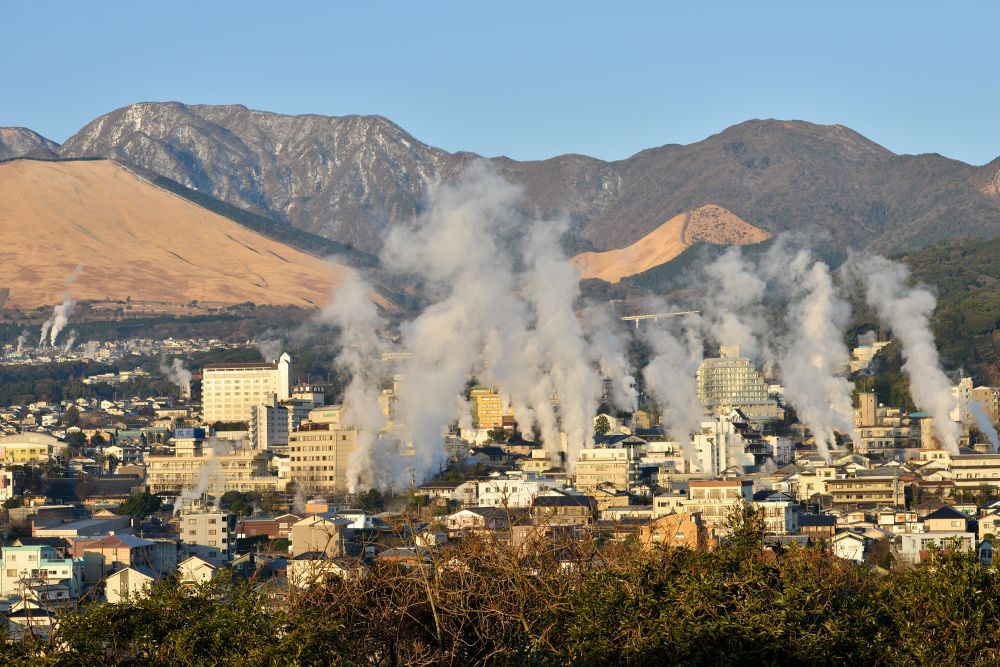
129, 582
849, 546
196, 570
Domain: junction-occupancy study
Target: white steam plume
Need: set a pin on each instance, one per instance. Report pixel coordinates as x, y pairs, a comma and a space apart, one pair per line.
907, 311
209, 479
70, 342
177, 374
376, 460
985, 424
813, 355
552, 285
670, 376
53, 326
733, 303
90, 349
270, 346
867, 338
22, 340
454, 249
608, 342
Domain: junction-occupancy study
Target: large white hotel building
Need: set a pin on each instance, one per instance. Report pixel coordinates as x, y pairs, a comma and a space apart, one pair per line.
230, 391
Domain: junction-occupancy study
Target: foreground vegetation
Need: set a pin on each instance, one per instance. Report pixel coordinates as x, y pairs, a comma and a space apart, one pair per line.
480, 603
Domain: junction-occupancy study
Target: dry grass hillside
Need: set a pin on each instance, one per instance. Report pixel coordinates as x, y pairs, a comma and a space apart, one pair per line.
705, 224
135, 240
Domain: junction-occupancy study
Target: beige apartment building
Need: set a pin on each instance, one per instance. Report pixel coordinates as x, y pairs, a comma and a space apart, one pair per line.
616, 465
867, 489
715, 500
230, 391
320, 451
243, 470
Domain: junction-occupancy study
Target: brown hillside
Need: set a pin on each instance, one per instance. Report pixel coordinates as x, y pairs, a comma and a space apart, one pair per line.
705, 224
135, 240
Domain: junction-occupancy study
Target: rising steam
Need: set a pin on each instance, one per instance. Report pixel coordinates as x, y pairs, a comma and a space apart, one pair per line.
53, 326
177, 374
907, 311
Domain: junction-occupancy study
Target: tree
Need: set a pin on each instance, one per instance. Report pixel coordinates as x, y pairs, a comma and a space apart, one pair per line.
72, 416
271, 502
141, 505
372, 501
497, 435
12, 502
745, 527
601, 425
237, 502
880, 554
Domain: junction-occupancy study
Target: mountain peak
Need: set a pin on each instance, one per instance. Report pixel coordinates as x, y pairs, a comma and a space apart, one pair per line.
22, 142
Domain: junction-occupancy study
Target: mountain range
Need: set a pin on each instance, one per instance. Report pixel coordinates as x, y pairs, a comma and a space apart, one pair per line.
351, 178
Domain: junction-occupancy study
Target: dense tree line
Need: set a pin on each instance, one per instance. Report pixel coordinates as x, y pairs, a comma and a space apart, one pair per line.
483, 603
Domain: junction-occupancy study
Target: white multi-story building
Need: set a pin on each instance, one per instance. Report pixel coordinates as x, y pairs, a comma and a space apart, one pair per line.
514, 489
727, 442
781, 512
732, 381
716, 500
207, 533
230, 391
31, 567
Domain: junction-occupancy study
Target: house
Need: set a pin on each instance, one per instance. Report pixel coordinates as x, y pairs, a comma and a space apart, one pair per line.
989, 524
563, 508
716, 500
985, 552
83, 528
478, 519
513, 489
271, 527
946, 519
30, 616
444, 492
128, 582
675, 530
320, 532
781, 512
315, 567
196, 570
914, 547
102, 555
849, 546
818, 526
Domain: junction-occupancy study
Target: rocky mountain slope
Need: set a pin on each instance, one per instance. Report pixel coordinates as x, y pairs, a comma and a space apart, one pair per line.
135, 241
349, 178
20, 141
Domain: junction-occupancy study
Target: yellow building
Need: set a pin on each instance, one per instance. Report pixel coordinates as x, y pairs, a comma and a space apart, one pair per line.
488, 410
25, 448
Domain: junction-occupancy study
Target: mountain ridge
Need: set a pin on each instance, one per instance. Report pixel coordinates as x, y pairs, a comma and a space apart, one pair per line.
352, 178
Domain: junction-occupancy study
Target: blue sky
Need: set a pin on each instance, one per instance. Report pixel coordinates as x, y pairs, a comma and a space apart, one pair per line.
529, 80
